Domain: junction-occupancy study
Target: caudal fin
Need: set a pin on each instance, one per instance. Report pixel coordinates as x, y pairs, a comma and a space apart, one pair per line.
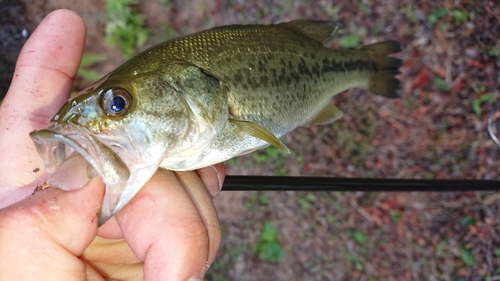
383, 81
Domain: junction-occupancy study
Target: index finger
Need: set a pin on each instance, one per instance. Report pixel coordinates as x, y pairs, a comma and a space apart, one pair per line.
42, 82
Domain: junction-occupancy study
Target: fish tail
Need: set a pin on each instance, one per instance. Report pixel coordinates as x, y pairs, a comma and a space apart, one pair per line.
383, 81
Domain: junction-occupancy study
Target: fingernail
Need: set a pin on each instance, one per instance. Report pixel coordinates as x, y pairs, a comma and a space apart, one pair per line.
195, 279
209, 176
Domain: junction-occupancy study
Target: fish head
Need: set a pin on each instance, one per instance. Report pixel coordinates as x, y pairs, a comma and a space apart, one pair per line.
123, 127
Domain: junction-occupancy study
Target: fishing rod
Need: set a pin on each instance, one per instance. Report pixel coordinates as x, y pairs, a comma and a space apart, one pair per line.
283, 183
275, 183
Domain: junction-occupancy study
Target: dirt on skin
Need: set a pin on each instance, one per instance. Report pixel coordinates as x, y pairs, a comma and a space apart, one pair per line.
451, 51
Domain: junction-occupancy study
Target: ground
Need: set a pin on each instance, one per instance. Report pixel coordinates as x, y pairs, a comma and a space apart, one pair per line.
437, 130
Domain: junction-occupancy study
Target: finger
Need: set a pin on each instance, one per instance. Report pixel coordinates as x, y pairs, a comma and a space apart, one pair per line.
213, 178
205, 208
165, 230
42, 82
112, 258
54, 224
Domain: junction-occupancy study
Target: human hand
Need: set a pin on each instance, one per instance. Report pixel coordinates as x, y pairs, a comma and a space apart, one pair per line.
168, 231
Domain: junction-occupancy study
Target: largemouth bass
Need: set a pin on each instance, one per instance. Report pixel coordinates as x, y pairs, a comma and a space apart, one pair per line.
201, 99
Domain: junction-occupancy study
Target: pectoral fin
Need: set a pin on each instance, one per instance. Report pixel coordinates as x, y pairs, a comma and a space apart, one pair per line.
204, 94
328, 114
260, 133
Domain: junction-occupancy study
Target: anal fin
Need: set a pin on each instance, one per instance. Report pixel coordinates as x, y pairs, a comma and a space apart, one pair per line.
328, 114
259, 132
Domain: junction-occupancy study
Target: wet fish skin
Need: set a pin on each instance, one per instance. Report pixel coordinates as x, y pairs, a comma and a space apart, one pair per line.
279, 76
207, 97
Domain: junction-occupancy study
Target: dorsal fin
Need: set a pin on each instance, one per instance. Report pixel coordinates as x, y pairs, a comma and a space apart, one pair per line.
321, 31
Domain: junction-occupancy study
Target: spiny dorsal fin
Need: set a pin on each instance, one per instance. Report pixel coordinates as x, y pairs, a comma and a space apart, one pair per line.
328, 114
321, 31
259, 132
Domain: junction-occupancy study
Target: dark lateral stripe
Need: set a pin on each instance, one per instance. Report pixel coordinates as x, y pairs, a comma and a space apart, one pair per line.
347, 65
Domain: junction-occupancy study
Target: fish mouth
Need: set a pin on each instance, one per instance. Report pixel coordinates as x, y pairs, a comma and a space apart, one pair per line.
57, 144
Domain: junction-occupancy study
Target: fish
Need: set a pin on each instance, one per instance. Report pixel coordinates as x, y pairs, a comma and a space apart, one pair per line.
207, 97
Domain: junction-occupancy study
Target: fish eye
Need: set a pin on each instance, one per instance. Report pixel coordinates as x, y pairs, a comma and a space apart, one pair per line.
116, 102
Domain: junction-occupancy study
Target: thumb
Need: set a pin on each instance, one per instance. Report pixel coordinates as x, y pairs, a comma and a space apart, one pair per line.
48, 229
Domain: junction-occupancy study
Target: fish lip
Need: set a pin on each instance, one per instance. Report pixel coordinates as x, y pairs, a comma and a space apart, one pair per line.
57, 143
83, 143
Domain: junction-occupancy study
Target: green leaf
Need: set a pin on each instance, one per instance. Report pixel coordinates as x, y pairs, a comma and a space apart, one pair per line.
311, 197
271, 251
460, 16
494, 51
468, 220
333, 11
125, 26
269, 233
437, 14
396, 216
476, 104
87, 61
331, 218
360, 238
441, 84
264, 199
351, 41
466, 255
497, 252
90, 59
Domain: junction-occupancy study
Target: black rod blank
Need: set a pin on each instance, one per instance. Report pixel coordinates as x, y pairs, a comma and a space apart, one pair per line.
278, 183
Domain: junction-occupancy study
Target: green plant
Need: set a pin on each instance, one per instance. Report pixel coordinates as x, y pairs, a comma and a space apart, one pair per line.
441, 84
257, 201
360, 238
476, 104
270, 153
165, 3
396, 216
494, 51
436, 15
497, 252
306, 201
468, 220
269, 249
334, 10
87, 61
466, 255
365, 8
410, 13
331, 219
124, 26
273, 155
350, 41
357, 261
460, 16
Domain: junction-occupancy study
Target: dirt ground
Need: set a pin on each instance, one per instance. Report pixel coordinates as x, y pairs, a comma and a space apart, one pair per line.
451, 65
